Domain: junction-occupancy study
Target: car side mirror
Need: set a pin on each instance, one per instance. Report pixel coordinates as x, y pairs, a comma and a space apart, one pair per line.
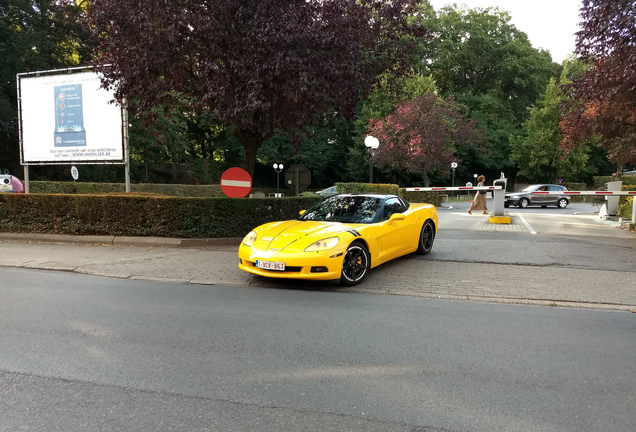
302, 212
396, 217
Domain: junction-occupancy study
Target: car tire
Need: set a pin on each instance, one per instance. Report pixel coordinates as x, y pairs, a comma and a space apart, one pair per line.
427, 237
523, 203
356, 264
563, 203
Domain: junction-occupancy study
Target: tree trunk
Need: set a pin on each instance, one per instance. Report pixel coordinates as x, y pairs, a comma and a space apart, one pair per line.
426, 182
249, 162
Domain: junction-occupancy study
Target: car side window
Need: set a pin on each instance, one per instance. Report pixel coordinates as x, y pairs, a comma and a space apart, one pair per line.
543, 188
557, 188
391, 206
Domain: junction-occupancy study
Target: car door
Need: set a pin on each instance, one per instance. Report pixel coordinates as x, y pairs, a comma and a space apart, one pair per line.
554, 199
540, 199
396, 234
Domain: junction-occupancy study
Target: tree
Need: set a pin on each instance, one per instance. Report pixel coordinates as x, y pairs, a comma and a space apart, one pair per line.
35, 35
487, 64
537, 153
422, 135
604, 97
256, 65
387, 93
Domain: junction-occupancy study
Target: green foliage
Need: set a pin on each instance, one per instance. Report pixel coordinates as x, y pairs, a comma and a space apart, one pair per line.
118, 215
382, 102
422, 136
488, 65
537, 151
179, 190
434, 198
35, 35
628, 180
574, 186
625, 207
363, 188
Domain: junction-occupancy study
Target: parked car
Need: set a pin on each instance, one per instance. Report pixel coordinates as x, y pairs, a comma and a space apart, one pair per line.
11, 184
342, 237
525, 197
326, 193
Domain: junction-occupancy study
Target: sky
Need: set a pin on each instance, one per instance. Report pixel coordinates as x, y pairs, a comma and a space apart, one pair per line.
549, 24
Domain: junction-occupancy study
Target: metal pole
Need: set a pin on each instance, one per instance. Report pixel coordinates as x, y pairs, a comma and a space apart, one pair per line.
370, 166
277, 182
27, 188
453, 183
126, 145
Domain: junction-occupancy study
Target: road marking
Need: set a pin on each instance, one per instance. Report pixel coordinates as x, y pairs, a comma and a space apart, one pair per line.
525, 222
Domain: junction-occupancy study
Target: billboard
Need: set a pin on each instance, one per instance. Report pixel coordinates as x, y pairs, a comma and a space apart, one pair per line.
65, 118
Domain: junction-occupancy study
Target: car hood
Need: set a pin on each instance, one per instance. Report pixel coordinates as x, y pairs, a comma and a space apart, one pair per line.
294, 236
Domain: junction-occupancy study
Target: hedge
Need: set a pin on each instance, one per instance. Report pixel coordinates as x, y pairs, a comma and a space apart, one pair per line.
434, 198
180, 190
134, 215
628, 180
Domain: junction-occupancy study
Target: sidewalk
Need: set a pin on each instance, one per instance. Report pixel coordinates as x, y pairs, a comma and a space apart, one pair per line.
215, 262
218, 265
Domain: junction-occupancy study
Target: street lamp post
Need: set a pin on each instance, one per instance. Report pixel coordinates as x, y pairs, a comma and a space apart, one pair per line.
278, 168
453, 166
475, 175
372, 143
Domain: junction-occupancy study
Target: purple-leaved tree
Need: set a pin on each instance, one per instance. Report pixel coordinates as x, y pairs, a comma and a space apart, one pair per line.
256, 65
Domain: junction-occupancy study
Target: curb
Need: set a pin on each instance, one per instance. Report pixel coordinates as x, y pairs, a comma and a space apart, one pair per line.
121, 240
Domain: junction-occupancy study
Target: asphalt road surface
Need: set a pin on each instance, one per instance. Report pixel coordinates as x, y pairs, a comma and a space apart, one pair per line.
84, 353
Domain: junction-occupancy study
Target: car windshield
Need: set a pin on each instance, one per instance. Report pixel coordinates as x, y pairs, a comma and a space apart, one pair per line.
344, 208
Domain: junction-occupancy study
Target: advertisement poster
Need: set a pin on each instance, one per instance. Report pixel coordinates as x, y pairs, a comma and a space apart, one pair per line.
68, 118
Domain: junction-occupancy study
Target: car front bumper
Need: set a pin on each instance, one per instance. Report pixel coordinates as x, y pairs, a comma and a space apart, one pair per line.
323, 265
512, 201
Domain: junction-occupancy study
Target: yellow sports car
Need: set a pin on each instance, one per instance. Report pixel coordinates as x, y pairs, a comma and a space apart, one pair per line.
342, 237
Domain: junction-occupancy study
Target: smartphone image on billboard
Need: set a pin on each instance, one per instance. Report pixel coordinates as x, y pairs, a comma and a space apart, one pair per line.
69, 116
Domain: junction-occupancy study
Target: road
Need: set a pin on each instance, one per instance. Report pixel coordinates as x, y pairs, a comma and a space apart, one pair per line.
86, 353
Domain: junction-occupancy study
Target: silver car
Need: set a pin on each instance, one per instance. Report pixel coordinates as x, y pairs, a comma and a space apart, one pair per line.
525, 197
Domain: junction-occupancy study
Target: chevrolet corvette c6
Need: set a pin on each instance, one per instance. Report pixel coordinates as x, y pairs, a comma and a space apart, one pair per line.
342, 237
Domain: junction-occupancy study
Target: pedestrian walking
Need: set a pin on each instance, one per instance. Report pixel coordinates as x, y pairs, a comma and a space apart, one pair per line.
479, 202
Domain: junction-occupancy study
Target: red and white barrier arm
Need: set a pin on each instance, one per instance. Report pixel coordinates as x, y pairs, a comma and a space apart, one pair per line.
623, 193
455, 188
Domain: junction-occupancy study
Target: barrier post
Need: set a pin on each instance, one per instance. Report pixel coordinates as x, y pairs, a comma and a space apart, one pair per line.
634, 211
499, 196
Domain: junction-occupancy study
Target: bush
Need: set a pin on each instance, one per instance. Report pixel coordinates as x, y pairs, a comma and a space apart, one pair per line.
628, 180
434, 198
626, 203
180, 190
392, 189
362, 188
131, 215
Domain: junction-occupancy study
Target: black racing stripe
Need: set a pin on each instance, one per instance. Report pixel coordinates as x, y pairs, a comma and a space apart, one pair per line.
353, 232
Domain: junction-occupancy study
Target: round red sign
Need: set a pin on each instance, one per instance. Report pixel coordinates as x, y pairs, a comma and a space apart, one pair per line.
236, 183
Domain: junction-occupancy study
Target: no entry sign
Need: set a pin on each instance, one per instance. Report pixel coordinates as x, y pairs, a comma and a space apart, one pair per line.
236, 183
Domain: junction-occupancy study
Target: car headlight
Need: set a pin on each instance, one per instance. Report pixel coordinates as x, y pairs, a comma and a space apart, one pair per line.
250, 239
322, 245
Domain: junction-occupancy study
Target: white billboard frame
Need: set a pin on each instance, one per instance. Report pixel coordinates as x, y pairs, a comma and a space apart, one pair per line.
65, 117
